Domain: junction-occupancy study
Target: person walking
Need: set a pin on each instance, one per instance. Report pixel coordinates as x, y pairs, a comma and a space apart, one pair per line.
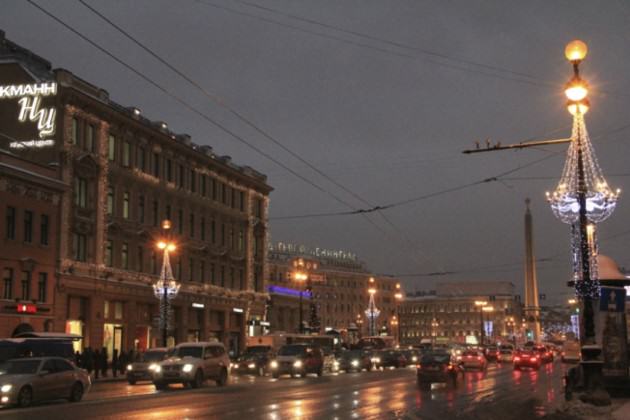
123, 360
115, 363
104, 362
88, 360
97, 363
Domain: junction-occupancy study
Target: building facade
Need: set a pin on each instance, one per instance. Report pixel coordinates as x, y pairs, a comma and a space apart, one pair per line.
124, 174
340, 284
462, 313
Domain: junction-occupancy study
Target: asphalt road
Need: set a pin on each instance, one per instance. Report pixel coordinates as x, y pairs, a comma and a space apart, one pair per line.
499, 393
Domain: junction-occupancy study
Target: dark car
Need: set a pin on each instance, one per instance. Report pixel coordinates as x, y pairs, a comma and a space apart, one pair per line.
142, 369
255, 360
298, 359
527, 358
354, 360
412, 356
392, 358
492, 353
545, 354
438, 366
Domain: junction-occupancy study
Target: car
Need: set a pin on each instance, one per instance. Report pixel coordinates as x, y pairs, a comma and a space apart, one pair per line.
192, 364
142, 369
571, 352
506, 355
474, 359
492, 353
392, 358
255, 360
437, 366
33, 379
331, 364
526, 358
412, 356
298, 359
545, 354
354, 360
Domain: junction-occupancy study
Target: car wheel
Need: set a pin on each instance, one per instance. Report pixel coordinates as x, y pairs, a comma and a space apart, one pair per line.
198, 381
160, 385
223, 378
131, 381
76, 393
25, 397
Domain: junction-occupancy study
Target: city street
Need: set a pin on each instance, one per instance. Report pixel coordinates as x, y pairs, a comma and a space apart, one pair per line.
385, 394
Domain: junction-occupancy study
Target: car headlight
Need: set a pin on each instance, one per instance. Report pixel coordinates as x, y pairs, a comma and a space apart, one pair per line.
155, 367
414, 359
252, 366
129, 367
297, 364
6, 388
235, 365
187, 368
355, 363
376, 360
273, 364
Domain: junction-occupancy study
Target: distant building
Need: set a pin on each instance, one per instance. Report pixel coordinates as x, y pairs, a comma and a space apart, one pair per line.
106, 176
340, 292
449, 313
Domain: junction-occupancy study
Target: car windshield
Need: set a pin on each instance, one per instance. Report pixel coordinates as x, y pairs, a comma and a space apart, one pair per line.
256, 349
436, 358
506, 351
153, 356
470, 353
192, 351
19, 367
291, 350
351, 354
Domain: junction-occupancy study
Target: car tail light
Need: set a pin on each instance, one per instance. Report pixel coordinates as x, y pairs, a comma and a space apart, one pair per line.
450, 367
517, 359
563, 353
479, 358
419, 366
534, 358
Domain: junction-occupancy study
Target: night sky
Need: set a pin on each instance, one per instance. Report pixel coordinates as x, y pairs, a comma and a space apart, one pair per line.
381, 97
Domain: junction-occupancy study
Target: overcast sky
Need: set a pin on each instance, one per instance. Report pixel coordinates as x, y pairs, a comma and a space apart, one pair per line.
381, 96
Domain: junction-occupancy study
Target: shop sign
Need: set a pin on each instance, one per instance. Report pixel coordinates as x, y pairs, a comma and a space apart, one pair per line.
26, 308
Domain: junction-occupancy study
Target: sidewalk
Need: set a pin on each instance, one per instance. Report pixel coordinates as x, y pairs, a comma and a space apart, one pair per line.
108, 378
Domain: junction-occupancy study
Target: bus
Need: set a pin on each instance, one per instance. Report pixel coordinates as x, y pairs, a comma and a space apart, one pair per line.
279, 339
33, 344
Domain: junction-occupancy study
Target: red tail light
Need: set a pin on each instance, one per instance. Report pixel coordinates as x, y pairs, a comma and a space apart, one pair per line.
517, 359
479, 358
534, 358
450, 367
419, 366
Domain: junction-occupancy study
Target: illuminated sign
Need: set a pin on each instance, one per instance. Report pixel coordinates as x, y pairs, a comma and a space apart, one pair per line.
198, 305
31, 111
288, 292
238, 310
26, 308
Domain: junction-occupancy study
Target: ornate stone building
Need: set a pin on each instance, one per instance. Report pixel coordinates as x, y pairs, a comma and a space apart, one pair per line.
340, 285
123, 175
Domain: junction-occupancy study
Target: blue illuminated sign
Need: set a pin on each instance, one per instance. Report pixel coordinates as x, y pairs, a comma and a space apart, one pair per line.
288, 291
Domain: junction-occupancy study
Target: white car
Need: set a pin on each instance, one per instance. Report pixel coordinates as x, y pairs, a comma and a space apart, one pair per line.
192, 364
506, 355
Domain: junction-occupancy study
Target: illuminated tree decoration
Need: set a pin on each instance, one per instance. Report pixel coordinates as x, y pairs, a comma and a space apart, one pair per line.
165, 289
372, 312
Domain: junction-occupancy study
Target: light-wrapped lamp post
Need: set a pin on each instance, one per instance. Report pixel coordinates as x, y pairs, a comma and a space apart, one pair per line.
166, 288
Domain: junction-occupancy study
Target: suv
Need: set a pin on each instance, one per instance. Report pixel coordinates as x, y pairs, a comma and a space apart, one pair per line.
438, 366
255, 360
298, 359
193, 363
142, 369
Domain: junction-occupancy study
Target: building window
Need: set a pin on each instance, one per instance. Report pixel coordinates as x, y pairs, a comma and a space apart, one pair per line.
223, 234
110, 200
192, 225
8, 284
156, 212
203, 228
180, 221
241, 278
140, 159
42, 285
258, 208
109, 253
111, 148
74, 135
224, 195
140, 259
126, 205
241, 240
124, 256
43, 229
80, 247
156, 165
80, 192
193, 181
213, 231
26, 285
118, 310
169, 170
202, 187
28, 226
168, 212
222, 277
178, 268
213, 279
215, 190
153, 263
202, 271
182, 174
191, 269
233, 198
232, 241
241, 200
89, 138
141, 209
232, 285
10, 222
126, 153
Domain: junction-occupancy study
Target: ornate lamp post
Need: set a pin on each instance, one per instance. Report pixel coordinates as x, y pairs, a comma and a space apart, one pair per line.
434, 325
372, 311
480, 304
301, 277
489, 310
166, 288
399, 297
582, 197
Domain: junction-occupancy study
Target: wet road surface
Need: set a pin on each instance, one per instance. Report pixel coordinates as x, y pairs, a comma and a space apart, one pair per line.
500, 392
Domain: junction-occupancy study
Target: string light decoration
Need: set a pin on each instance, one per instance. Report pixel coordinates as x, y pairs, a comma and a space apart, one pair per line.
372, 312
166, 288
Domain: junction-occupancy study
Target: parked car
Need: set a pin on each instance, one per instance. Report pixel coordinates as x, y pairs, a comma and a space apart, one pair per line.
392, 358
24, 381
571, 352
192, 364
255, 360
354, 360
474, 359
142, 369
528, 358
438, 366
545, 354
298, 359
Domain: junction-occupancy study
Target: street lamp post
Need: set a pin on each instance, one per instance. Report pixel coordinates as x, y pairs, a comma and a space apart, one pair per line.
300, 276
434, 325
480, 304
166, 288
372, 311
488, 309
399, 297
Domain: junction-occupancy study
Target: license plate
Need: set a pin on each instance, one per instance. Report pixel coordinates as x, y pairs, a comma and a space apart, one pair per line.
170, 373
433, 368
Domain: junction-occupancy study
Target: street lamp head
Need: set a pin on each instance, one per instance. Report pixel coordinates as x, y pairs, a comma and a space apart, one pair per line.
300, 276
398, 296
371, 279
578, 107
576, 90
575, 51
398, 286
487, 308
371, 290
171, 247
166, 224
572, 301
162, 245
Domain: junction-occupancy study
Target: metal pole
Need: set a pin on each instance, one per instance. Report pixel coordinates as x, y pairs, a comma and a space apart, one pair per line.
301, 325
481, 332
165, 309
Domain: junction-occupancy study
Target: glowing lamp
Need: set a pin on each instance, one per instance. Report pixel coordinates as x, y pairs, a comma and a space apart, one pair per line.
371, 291
161, 245
166, 224
576, 89
576, 51
580, 107
171, 247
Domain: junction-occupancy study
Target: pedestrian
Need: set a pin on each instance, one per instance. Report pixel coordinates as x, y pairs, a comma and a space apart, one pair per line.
115, 362
77, 359
97, 363
88, 360
104, 362
122, 362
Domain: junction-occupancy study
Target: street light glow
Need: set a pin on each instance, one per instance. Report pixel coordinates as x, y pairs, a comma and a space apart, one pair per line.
371, 290
576, 89
480, 303
575, 51
580, 107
